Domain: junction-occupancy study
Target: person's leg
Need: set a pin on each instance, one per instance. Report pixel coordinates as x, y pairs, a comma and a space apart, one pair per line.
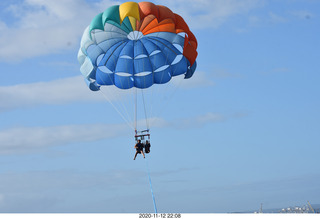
135, 155
143, 154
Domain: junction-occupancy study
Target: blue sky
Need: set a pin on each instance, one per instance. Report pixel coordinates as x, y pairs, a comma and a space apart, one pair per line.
243, 131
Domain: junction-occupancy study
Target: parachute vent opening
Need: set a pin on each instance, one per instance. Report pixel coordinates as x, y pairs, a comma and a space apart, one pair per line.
154, 52
178, 47
123, 74
135, 35
177, 59
183, 34
99, 59
145, 73
125, 57
141, 56
162, 68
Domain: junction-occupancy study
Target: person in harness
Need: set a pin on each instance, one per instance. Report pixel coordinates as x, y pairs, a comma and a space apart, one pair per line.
139, 149
147, 147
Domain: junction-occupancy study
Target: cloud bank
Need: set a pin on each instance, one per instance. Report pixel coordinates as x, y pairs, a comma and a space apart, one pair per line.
74, 89
43, 27
40, 27
29, 139
61, 91
206, 14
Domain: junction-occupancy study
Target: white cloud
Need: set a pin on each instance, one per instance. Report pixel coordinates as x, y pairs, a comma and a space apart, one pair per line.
61, 91
222, 73
302, 14
74, 89
275, 18
200, 120
190, 122
210, 13
45, 27
3, 26
64, 190
28, 139
199, 79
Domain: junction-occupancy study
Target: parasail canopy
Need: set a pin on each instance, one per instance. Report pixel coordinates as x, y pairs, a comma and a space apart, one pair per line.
136, 45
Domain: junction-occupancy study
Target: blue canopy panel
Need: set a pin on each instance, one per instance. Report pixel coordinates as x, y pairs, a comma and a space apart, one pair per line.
92, 85
107, 63
104, 76
191, 70
87, 69
166, 47
101, 36
142, 65
153, 59
143, 76
173, 38
123, 80
143, 80
124, 65
162, 75
107, 44
149, 45
162, 44
139, 49
158, 60
93, 51
179, 63
114, 50
123, 77
128, 50
170, 53
179, 66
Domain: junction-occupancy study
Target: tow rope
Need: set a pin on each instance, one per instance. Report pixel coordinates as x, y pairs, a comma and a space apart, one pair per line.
153, 198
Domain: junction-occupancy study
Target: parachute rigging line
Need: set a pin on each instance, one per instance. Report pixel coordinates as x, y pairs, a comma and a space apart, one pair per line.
127, 120
135, 109
149, 178
167, 89
145, 111
128, 123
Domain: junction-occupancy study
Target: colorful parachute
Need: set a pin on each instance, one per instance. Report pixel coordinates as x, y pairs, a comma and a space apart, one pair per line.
136, 45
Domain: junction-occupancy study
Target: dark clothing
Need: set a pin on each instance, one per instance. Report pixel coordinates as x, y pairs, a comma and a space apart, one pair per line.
147, 148
139, 150
139, 147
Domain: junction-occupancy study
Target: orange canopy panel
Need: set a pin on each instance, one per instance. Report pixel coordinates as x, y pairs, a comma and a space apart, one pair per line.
181, 24
147, 8
189, 51
146, 21
164, 13
170, 27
